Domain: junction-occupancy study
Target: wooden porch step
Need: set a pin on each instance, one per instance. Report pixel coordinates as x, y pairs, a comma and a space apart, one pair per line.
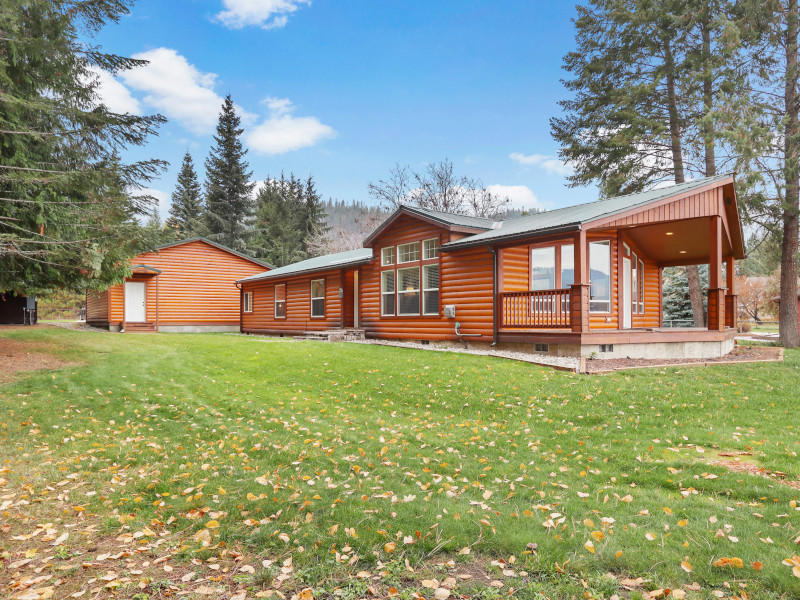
140, 327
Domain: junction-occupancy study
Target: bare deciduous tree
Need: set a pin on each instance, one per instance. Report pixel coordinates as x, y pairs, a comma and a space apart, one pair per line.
438, 187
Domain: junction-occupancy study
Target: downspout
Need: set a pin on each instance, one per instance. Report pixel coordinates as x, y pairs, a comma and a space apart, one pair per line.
494, 295
241, 300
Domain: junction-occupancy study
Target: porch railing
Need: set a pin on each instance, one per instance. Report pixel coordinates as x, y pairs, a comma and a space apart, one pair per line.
537, 309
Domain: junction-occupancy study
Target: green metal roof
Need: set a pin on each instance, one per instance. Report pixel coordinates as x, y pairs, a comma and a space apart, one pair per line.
572, 217
452, 218
319, 263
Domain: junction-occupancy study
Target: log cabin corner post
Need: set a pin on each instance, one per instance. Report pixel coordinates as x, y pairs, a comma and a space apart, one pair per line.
716, 293
579, 290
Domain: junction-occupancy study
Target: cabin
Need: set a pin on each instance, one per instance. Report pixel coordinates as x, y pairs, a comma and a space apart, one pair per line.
18, 309
582, 280
186, 286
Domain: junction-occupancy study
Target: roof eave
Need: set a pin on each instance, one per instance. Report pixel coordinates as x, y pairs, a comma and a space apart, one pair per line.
410, 210
353, 263
467, 243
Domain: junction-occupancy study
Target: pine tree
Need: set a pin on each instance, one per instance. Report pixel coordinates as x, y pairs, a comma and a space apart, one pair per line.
314, 211
650, 83
676, 301
67, 217
186, 212
280, 222
229, 203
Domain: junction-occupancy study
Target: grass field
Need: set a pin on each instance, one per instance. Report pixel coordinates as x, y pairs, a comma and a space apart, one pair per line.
240, 467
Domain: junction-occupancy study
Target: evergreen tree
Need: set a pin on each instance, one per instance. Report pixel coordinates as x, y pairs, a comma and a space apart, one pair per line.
676, 301
229, 203
281, 224
313, 212
186, 212
651, 81
67, 217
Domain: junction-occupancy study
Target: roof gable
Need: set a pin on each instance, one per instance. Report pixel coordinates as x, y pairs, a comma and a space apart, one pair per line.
448, 221
573, 218
216, 245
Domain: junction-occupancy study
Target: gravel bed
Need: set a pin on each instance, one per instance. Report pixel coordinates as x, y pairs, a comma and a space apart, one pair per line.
739, 354
563, 362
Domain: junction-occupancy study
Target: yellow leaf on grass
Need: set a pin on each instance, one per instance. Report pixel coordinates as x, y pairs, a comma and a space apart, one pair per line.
389, 547
305, 594
686, 566
757, 566
599, 536
733, 561
589, 546
213, 524
649, 536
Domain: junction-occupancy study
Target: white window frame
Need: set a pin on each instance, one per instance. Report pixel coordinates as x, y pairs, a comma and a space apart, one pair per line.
393, 293
641, 286
401, 248
387, 256
275, 292
311, 293
427, 290
430, 249
635, 291
404, 292
606, 310
247, 302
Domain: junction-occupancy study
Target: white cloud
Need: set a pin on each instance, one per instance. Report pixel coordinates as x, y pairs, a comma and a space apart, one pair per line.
283, 132
176, 88
116, 97
521, 196
551, 164
268, 14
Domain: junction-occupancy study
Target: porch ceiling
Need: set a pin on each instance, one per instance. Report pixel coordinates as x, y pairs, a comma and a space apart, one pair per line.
676, 242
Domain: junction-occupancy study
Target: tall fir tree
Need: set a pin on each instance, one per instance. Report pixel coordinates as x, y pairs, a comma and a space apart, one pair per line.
229, 203
186, 212
650, 83
68, 217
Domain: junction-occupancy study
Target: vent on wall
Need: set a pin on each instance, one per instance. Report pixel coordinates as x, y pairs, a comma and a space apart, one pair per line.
606, 347
541, 347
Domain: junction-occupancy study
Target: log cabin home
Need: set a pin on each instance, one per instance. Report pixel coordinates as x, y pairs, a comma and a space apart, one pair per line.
582, 280
186, 286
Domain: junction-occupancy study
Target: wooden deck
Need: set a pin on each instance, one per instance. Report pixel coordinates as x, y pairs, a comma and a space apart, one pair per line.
615, 336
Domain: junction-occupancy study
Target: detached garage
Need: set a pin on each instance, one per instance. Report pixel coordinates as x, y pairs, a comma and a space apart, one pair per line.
186, 286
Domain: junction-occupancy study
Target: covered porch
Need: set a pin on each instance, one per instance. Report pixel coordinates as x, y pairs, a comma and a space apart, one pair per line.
598, 288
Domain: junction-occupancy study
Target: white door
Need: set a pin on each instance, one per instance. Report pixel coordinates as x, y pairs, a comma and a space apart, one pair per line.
135, 302
626, 293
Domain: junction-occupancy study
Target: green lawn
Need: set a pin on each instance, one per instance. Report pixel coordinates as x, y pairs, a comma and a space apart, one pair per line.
224, 445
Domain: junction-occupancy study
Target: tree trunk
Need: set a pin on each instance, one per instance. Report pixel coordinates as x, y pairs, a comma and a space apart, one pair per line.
693, 273
789, 331
708, 92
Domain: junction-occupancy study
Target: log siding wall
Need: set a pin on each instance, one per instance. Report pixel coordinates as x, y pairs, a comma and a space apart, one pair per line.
195, 286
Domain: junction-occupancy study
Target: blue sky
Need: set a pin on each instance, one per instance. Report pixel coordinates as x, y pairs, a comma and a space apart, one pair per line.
344, 90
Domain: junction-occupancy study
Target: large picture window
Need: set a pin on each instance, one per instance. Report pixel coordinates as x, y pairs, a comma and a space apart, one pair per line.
430, 289
600, 276
387, 293
408, 291
543, 268
318, 298
280, 301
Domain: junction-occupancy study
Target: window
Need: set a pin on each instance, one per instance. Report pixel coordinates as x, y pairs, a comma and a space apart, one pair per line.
430, 249
430, 289
641, 286
543, 268
318, 298
600, 276
606, 347
247, 302
408, 291
280, 301
634, 285
387, 256
567, 266
387, 293
408, 252
541, 348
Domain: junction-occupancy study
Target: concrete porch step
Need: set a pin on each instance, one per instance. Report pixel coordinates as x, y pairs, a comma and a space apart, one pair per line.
332, 335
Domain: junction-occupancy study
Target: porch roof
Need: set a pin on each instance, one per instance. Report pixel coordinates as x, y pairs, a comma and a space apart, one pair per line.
328, 262
571, 218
